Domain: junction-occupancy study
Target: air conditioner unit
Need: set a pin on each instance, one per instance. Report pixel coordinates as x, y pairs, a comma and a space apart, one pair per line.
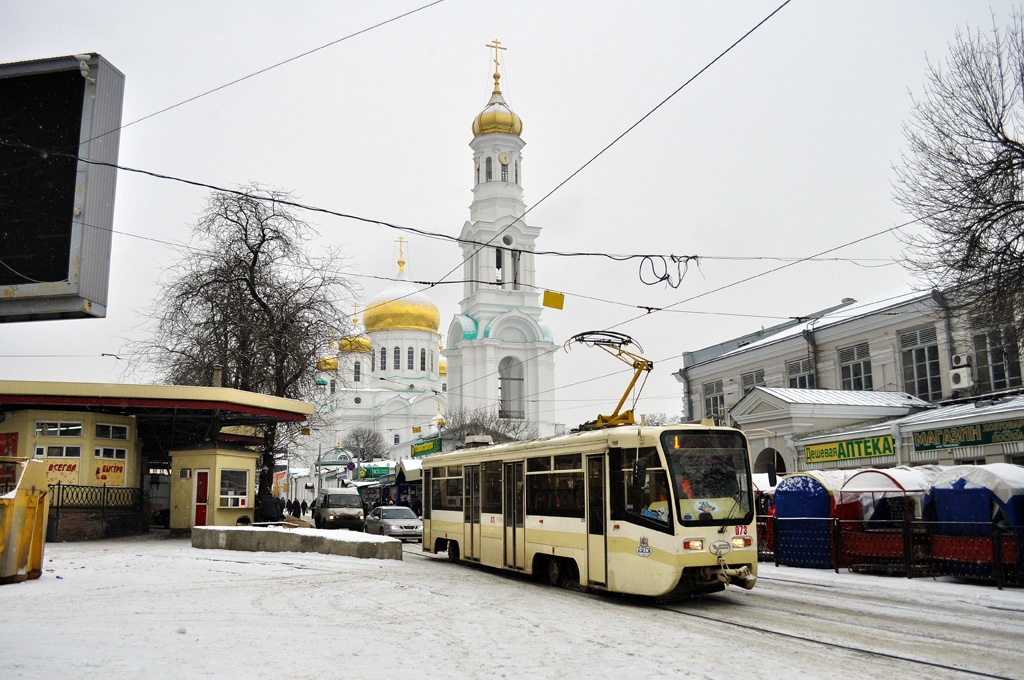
961, 378
961, 360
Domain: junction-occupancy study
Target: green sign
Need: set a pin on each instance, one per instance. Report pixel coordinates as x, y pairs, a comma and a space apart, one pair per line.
970, 435
856, 448
373, 472
427, 447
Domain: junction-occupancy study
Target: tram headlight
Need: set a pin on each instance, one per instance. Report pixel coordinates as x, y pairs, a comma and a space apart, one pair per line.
741, 541
693, 544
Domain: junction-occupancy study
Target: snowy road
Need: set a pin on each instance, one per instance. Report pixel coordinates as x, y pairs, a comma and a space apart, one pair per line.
156, 607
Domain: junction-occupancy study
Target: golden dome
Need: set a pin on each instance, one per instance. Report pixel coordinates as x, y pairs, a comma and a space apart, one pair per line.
401, 307
327, 364
497, 116
355, 345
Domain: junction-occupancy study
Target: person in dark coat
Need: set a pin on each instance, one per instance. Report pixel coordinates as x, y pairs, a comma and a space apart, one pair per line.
303, 507
291, 508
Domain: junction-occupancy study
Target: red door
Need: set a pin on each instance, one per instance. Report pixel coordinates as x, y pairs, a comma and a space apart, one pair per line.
202, 494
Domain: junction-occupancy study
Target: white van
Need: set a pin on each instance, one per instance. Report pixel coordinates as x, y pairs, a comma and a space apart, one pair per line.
339, 509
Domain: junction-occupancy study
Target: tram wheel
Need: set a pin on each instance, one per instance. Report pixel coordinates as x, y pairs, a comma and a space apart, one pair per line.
453, 551
556, 572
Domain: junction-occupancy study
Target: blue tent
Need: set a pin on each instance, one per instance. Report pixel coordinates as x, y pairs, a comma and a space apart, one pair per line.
803, 512
966, 501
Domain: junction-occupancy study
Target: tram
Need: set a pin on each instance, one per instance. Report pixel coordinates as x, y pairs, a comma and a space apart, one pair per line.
665, 512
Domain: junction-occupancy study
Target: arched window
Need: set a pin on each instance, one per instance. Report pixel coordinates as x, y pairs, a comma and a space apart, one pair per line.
431, 361
356, 370
398, 358
516, 180
504, 173
487, 170
334, 386
396, 438
410, 360
423, 360
510, 389
444, 387
383, 358
498, 265
373, 362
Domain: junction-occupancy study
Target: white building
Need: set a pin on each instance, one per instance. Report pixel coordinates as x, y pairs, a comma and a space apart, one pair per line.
500, 355
858, 366
390, 380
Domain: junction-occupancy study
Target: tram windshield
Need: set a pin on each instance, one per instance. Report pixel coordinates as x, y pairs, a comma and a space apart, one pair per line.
710, 476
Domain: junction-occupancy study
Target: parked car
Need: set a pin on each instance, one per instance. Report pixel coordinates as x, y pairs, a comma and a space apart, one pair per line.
339, 509
396, 521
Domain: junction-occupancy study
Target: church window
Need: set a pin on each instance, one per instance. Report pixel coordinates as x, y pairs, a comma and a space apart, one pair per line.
497, 265
396, 438
517, 173
510, 389
423, 360
410, 360
398, 358
504, 173
383, 358
373, 362
487, 171
444, 387
431, 361
356, 369
334, 386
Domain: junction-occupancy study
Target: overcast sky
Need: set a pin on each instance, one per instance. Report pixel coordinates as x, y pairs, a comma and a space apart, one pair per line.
781, 149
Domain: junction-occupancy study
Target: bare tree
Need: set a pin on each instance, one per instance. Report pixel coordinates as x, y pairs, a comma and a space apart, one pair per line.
247, 297
660, 418
461, 423
365, 444
963, 173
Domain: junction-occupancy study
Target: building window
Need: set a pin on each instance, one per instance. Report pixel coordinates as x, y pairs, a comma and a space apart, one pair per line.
356, 369
112, 432
919, 352
396, 436
998, 360
398, 358
510, 389
855, 367
714, 400
799, 373
517, 173
431, 361
110, 453
504, 173
334, 386
410, 359
383, 359
444, 387
50, 429
423, 360
59, 451
373, 362
234, 488
487, 169
752, 380
358, 400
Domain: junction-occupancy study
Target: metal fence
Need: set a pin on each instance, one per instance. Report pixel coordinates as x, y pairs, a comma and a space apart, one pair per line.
75, 496
969, 550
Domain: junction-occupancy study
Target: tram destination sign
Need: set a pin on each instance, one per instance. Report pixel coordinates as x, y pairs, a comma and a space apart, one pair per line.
855, 448
976, 434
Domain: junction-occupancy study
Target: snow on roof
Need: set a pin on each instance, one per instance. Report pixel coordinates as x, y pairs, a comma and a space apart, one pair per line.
873, 305
968, 411
832, 480
761, 482
892, 479
792, 395
1005, 480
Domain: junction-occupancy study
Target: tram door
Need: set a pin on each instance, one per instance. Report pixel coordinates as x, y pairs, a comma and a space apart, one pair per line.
471, 505
514, 513
596, 546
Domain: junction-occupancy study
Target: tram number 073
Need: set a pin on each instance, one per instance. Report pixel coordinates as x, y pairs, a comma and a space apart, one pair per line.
741, 530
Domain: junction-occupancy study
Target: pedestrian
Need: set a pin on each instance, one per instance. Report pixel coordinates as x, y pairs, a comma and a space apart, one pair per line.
291, 508
312, 507
303, 507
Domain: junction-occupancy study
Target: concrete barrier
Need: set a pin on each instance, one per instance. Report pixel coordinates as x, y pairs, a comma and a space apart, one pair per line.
279, 539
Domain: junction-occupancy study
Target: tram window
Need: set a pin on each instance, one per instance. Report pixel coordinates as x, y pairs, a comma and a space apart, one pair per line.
491, 502
572, 461
435, 493
650, 502
454, 471
555, 495
542, 464
452, 494
647, 455
429, 487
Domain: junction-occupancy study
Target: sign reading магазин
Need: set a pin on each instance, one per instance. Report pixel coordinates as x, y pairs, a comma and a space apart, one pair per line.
855, 448
977, 434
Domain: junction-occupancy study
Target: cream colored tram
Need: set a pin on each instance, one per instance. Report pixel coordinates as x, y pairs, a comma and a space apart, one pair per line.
657, 511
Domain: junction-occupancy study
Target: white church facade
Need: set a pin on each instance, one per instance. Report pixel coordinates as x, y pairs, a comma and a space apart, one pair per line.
500, 355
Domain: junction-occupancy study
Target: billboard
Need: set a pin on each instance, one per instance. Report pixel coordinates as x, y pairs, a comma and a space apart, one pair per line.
56, 209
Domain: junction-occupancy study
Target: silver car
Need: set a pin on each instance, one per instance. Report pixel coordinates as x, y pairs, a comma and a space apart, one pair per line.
396, 521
